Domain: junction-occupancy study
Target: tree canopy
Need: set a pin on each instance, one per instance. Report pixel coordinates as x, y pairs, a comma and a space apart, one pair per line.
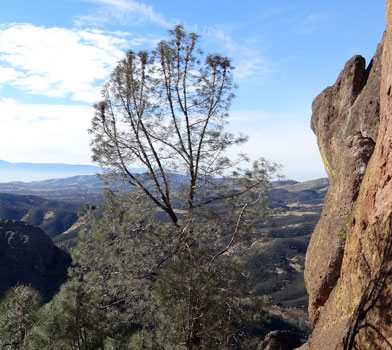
166, 111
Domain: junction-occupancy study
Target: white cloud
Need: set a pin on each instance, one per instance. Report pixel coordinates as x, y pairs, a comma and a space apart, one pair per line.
127, 12
219, 34
9, 74
59, 62
251, 65
44, 133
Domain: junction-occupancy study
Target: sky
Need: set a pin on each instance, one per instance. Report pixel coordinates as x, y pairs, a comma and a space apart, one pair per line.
56, 55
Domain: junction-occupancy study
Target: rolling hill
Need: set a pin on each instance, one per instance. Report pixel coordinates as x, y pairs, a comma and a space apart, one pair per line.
53, 217
276, 250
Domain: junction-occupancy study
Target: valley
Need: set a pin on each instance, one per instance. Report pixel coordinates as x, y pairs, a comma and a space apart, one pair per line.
275, 251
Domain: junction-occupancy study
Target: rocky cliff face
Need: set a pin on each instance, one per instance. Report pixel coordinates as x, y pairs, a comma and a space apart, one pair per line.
349, 261
345, 119
28, 256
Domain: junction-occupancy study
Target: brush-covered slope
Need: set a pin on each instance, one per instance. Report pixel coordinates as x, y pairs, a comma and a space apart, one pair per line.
28, 256
53, 217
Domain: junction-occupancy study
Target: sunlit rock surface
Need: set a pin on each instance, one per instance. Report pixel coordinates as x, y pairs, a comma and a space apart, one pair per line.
356, 312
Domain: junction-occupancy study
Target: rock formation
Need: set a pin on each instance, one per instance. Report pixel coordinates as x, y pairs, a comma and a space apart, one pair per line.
280, 340
349, 261
345, 119
28, 256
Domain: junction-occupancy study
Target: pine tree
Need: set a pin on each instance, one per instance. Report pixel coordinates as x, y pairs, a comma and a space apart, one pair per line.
18, 315
69, 322
166, 111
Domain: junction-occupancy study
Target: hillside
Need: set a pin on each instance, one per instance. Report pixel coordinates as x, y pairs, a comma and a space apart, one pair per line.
53, 217
81, 188
276, 250
28, 256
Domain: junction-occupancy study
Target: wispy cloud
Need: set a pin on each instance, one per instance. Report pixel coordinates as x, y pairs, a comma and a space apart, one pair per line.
8, 74
219, 34
127, 12
60, 62
308, 24
40, 132
250, 63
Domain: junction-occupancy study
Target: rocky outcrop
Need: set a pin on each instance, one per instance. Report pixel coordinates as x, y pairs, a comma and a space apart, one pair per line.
345, 119
353, 309
28, 256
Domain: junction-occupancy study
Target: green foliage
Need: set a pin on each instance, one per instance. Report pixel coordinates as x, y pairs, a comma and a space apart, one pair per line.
343, 233
166, 290
343, 230
70, 321
143, 281
138, 284
203, 306
166, 111
18, 316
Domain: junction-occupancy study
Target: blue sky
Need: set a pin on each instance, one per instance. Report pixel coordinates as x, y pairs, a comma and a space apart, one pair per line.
55, 55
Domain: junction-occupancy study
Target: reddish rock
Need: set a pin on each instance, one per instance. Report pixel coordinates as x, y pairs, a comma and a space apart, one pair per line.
358, 313
345, 119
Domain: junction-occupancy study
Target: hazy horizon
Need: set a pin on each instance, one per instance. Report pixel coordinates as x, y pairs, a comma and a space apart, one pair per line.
28, 172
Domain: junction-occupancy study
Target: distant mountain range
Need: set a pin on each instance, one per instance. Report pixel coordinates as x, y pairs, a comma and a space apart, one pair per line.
42, 171
28, 172
82, 188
